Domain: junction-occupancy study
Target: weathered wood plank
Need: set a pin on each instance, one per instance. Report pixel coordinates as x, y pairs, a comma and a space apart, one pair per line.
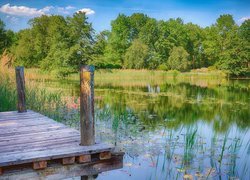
29, 142
84, 158
39, 165
53, 154
30, 130
33, 135
16, 112
40, 146
26, 116
58, 172
7, 118
105, 155
68, 160
13, 124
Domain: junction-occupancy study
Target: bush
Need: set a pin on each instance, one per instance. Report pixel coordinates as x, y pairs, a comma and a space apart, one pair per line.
163, 67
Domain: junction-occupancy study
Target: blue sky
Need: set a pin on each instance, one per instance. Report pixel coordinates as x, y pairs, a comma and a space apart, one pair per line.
16, 14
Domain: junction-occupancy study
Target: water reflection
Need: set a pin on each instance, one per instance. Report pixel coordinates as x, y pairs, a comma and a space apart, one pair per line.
174, 130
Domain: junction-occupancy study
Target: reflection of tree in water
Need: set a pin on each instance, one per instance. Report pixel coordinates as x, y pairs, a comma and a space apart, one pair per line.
182, 104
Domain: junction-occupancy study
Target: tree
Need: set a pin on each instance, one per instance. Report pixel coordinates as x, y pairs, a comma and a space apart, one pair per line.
178, 59
99, 47
244, 31
24, 51
119, 40
234, 50
7, 37
81, 36
194, 48
136, 55
2, 36
55, 43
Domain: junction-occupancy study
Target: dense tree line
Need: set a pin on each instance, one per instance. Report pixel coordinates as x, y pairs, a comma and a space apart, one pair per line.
61, 44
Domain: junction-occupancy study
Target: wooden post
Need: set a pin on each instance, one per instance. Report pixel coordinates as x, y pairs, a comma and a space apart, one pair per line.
87, 120
20, 84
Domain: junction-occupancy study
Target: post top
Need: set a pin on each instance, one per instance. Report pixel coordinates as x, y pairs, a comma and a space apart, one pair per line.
19, 67
87, 68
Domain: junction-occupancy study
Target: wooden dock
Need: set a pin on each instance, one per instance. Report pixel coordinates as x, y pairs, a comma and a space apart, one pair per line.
35, 141
33, 146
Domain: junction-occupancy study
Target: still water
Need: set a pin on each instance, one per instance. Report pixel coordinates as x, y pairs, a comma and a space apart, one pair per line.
173, 130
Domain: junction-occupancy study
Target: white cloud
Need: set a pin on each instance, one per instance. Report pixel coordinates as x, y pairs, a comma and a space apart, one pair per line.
243, 19
69, 7
33, 12
87, 11
21, 10
47, 9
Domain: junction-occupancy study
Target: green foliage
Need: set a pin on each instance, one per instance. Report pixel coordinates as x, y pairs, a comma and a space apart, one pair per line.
7, 37
178, 59
136, 55
163, 67
55, 43
244, 30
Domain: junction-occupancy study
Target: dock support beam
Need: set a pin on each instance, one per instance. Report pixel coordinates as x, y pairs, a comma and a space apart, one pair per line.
87, 120
20, 84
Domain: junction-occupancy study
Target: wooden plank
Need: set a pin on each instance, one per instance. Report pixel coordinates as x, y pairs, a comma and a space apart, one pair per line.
23, 117
27, 119
68, 160
67, 142
84, 158
16, 112
39, 165
25, 125
29, 114
1, 171
105, 155
51, 132
15, 132
52, 135
22, 158
58, 172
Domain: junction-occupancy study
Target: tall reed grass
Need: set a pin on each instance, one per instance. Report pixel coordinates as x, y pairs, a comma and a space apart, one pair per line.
41, 100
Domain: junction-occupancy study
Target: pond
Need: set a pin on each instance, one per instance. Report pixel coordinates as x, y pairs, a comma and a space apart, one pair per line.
173, 130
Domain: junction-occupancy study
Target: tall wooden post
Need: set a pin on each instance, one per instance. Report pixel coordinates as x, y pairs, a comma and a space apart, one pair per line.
20, 84
87, 120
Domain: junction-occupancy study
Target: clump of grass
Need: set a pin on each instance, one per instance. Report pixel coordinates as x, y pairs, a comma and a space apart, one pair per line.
7, 94
38, 99
190, 140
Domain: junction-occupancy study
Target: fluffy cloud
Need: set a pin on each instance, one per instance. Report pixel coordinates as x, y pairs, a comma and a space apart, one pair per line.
21, 10
243, 19
63, 10
34, 12
87, 11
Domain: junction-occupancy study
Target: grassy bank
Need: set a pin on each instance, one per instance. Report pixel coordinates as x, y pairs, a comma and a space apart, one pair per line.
51, 104
129, 77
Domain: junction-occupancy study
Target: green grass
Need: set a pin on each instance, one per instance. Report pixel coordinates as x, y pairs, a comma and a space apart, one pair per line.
37, 98
130, 77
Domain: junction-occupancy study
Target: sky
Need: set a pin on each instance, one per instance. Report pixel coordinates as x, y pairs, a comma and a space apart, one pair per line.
16, 14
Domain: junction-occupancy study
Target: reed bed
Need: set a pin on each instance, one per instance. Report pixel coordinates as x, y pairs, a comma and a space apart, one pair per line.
51, 104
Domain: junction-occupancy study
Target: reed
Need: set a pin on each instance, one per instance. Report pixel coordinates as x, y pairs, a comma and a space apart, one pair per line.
38, 99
